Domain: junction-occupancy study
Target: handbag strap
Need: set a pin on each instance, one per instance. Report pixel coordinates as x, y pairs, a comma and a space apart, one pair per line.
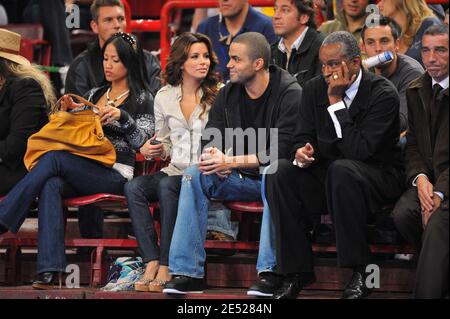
57, 105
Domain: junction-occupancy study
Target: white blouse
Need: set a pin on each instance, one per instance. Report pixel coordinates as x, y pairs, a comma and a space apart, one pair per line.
180, 138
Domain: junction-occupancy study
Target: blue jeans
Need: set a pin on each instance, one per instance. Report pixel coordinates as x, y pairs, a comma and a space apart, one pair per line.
57, 175
187, 253
267, 259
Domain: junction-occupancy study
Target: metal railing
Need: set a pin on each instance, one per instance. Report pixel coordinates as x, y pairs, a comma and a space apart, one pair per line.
163, 25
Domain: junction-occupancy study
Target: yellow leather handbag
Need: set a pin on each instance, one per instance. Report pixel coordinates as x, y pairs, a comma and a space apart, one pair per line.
79, 133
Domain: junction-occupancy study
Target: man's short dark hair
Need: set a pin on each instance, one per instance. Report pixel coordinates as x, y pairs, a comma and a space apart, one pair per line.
438, 29
349, 45
97, 4
306, 7
257, 45
396, 30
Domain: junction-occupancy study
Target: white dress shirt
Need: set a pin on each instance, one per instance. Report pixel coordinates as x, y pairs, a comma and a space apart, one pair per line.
350, 94
296, 45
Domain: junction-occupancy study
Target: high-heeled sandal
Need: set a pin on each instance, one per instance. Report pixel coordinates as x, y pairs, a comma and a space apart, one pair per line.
157, 285
142, 284
47, 280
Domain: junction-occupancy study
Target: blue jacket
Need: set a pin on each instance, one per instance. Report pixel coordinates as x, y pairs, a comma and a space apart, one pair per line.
216, 29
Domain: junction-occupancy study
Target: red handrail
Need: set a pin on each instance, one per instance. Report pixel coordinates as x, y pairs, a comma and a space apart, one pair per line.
171, 5
146, 25
185, 4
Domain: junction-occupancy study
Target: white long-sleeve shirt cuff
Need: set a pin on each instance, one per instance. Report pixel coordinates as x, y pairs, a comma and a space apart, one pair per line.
415, 179
331, 110
298, 164
441, 195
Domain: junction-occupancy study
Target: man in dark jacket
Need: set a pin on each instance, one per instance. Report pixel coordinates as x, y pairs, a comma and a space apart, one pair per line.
86, 71
298, 48
250, 126
345, 155
421, 214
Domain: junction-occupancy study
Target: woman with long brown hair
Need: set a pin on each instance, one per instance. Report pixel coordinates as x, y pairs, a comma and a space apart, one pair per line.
181, 112
414, 17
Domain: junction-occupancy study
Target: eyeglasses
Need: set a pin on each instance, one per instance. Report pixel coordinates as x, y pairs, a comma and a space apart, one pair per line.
332, 64
335, 64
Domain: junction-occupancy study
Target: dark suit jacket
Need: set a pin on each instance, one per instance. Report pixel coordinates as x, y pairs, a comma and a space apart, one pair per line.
22, 113
369, 127
305, 63
420, 156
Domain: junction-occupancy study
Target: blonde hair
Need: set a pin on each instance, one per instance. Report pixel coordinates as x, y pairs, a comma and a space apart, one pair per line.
416, 11
31, 71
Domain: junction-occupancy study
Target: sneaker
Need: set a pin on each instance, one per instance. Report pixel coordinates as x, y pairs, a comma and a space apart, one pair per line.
268, 283
124, 272
183, 285
127, 283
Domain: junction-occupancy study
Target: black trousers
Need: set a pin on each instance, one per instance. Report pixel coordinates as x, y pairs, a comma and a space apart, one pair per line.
432, 273
349, 189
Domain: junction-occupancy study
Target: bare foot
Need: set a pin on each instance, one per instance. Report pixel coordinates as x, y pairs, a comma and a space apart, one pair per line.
163, 274
151, 270
148, 277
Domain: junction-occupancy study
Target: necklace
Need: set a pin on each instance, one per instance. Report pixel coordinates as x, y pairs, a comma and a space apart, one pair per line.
113, 102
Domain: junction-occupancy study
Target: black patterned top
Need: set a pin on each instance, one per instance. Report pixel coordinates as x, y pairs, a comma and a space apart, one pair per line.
135, 126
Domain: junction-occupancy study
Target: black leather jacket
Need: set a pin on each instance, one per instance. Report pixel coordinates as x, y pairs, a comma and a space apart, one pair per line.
86, 71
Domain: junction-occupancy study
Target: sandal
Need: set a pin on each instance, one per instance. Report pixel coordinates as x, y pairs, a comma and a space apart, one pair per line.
157, 285
143, 285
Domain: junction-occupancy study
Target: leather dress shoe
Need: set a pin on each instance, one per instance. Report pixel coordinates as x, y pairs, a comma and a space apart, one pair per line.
356, 288
293, 284
48, 280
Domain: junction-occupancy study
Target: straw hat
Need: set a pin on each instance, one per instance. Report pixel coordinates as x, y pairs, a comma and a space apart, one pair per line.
10, 47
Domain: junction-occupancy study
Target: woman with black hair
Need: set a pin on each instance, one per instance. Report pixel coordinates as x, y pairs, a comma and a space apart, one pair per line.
128, 121
181, 112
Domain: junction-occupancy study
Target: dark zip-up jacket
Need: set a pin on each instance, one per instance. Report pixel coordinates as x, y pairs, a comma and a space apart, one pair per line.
304, 63
283, 104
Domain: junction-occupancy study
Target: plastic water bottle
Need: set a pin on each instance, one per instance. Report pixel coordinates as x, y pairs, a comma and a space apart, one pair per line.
378, 59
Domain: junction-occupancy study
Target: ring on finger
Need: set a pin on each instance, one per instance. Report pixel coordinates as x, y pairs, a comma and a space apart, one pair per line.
335, 76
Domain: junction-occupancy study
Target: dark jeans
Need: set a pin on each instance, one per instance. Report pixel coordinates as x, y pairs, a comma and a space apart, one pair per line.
90, 221
57, 175
139, 192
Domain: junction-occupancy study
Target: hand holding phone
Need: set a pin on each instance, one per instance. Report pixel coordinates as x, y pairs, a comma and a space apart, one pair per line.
155, 142
152, 148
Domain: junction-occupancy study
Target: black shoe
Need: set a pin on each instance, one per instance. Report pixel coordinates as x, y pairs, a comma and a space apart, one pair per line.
48, 280
183, 285
268, 283
293, 284
356, 288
